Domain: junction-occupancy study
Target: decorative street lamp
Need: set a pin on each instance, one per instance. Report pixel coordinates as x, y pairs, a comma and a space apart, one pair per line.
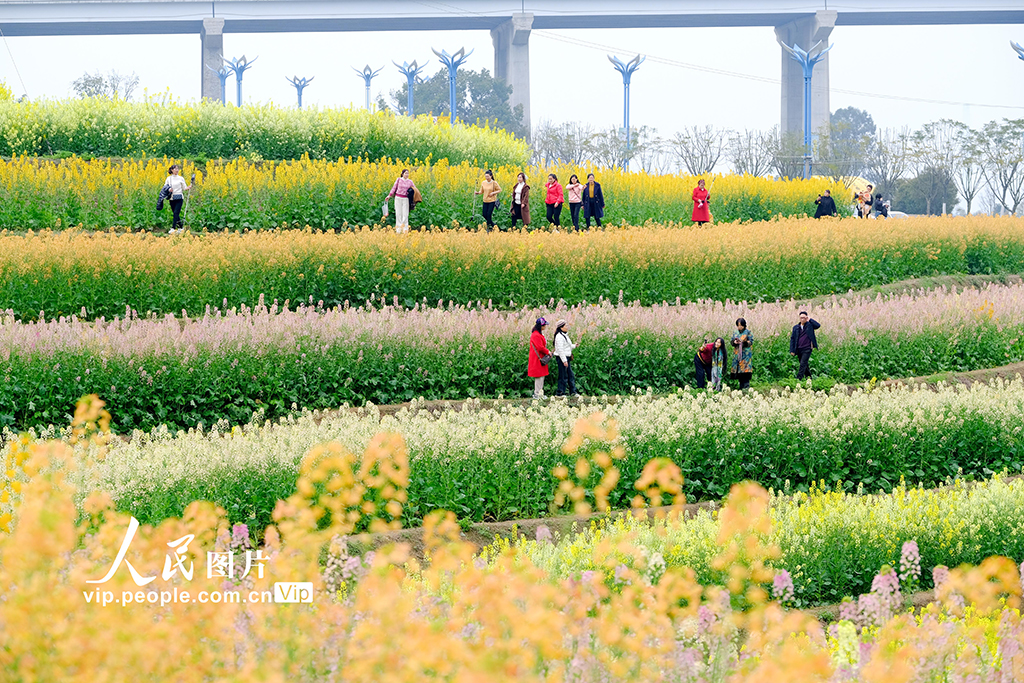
1018, 49
239, 66
300, 85
453, 62
411, 73
222, 74
368, 75
626, 69
807, 61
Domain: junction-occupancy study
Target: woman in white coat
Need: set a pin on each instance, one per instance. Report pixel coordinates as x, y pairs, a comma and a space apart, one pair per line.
563, 354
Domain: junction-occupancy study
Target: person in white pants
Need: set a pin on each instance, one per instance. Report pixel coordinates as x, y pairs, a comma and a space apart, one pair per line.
400, 191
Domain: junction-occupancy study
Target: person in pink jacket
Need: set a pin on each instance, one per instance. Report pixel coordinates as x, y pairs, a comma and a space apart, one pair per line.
554, 200
574, 195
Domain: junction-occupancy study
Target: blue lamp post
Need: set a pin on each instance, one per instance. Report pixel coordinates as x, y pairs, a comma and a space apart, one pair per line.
1018, 49
807, 61
239, 66
368, 75
222, 74
300, 85
453, 62
626, 69
411, 73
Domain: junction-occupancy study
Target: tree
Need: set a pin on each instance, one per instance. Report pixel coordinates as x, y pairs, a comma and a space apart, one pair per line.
479, 98
854, 123
787, 153
888, 160
113, 86
1001, 152
608, 148
839, 155
926, 193
699, 148
568, 142
952, 146
648, 149
751, 152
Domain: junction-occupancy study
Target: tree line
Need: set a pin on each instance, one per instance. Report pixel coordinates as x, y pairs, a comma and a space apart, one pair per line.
919, 171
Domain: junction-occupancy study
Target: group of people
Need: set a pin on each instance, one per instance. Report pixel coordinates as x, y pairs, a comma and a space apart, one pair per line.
864, 204
587, 199
711, 361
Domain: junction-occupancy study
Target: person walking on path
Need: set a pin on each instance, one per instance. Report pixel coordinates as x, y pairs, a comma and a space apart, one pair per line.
537, 366
563, 353
403, 191
802, 341
593, 201
177, 187
742, 367
826, 205
701, 212
553, 201
574, 195
521, 201
718, 354
489, 188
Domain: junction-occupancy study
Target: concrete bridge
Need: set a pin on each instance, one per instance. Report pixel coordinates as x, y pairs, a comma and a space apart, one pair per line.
509, 22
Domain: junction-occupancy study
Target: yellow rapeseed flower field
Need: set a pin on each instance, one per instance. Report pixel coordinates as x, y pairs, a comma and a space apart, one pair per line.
329, 194
62, 272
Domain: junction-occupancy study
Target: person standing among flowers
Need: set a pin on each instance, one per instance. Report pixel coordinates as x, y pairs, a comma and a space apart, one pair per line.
802, 341
574, 195
563, 353
489, 188
593, 201
177, 187
521, 201
403, 191
718, 354
553, 200
826, 205
742, 368
702, 364
539, 357
701, 212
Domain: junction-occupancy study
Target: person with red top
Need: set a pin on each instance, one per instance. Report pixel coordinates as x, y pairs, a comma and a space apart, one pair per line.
554, 200
701, 212
702, 364
537, 367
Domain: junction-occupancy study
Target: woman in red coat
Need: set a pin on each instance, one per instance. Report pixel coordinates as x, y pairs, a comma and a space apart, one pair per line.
701, 212
538, 350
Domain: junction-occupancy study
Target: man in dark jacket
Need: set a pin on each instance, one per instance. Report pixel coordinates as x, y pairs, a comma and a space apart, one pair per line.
802, 341
826, 205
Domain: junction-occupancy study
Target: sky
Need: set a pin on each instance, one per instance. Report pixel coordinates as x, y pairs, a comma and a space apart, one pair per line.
961, 70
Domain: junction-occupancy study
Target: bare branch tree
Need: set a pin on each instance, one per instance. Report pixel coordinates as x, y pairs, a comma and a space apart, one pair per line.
114, 85
1002, 161
751, 152
699, 148
648, 148
787, 153
889, 159
568, 142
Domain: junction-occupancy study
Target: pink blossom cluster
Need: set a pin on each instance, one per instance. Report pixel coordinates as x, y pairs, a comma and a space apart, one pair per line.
313, 329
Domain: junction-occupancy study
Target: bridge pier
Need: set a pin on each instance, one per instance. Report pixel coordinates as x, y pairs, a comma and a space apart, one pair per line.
212, 36
805, 33
512, 59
